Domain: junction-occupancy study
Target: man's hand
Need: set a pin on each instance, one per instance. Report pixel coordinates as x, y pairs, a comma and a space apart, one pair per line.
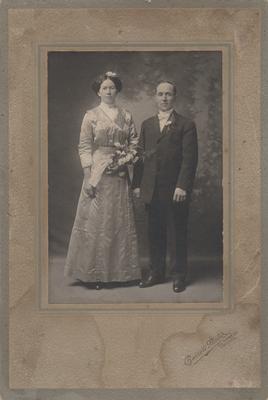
137, 193
179, 195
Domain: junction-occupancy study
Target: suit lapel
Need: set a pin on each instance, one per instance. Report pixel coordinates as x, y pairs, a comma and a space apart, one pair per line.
156, 135
176, 120
155, 132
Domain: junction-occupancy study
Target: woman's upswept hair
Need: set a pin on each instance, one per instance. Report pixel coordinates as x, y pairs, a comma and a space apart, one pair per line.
108, 75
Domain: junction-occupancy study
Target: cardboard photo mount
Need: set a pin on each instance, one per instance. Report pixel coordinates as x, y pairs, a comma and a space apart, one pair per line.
126, 346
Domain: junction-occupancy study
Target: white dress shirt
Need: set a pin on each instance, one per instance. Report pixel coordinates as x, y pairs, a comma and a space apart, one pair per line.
163, 117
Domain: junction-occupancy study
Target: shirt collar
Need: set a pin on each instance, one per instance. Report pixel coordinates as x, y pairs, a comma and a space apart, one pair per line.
165, 114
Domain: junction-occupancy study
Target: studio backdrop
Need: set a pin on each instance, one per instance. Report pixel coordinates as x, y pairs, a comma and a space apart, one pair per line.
198, 76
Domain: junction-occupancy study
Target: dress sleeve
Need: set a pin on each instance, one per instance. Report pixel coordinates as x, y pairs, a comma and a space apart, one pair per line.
86, 142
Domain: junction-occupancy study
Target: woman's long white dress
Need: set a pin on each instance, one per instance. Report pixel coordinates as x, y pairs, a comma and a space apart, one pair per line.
103, 243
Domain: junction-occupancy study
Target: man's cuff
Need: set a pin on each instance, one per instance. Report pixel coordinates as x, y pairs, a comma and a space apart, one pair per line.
178, 186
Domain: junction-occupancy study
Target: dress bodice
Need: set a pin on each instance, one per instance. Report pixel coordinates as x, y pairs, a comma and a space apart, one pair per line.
99, 130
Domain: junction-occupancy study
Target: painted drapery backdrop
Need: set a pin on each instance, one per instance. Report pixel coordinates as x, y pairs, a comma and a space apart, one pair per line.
198, 76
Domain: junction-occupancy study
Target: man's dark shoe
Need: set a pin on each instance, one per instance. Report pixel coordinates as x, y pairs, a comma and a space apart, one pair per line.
151, 281
179, 285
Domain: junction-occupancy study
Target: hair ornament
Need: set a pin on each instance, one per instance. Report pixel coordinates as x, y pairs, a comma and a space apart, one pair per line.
111, 74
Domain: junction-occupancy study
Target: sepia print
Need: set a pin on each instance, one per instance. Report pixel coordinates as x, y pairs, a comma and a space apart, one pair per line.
123, 230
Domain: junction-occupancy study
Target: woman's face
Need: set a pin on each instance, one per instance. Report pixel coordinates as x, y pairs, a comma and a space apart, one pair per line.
107, 92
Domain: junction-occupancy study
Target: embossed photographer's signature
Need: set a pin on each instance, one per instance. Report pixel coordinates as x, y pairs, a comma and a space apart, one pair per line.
220, 340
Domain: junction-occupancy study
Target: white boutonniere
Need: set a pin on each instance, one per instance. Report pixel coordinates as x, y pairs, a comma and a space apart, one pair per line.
168, 123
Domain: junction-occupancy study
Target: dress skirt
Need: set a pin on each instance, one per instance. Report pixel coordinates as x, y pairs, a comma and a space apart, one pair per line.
103, 244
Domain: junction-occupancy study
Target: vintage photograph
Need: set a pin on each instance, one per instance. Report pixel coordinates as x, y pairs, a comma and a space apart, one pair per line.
135, 172
133, 259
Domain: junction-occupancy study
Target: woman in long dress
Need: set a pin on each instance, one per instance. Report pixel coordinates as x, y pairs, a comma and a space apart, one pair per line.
103, 243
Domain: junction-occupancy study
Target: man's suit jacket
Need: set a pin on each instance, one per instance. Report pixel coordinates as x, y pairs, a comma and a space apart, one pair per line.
168, 158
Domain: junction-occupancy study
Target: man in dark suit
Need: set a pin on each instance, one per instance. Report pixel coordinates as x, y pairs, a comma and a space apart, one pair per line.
163, 178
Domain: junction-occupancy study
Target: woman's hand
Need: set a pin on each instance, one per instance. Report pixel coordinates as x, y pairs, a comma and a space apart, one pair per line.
89, 190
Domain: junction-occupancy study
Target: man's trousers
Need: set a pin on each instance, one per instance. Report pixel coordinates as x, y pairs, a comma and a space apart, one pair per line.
167, 225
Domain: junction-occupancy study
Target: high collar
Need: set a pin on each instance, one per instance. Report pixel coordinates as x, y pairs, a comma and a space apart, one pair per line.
107, 107
111, 112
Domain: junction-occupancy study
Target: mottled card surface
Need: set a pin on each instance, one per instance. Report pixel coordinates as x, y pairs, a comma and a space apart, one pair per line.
63, 336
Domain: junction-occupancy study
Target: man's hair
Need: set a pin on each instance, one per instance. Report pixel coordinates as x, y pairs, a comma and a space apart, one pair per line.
167, 81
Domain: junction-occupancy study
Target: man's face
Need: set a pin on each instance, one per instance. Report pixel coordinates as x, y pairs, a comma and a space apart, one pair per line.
165, 96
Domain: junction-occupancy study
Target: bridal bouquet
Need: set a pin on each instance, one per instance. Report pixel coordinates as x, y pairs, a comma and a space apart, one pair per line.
122, 157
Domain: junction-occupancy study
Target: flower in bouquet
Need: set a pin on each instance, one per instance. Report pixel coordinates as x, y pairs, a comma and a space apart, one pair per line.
122, 157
